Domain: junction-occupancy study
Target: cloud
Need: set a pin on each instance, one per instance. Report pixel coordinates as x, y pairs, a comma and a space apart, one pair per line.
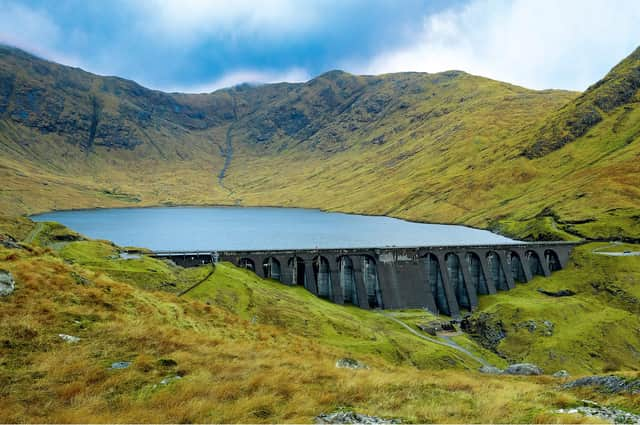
538, 44
188, 20
26, 28
32, 30
293, 75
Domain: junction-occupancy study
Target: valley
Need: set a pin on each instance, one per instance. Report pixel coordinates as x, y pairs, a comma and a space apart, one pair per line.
90, 335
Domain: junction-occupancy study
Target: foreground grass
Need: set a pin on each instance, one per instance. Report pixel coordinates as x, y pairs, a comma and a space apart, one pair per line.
246, 349
232, 369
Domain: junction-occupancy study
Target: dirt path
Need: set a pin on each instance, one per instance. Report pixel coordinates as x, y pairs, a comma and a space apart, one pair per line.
445, 341
614, 254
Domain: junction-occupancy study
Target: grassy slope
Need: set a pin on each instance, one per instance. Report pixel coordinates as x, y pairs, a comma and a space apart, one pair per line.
273, 368
429, 147
597, 330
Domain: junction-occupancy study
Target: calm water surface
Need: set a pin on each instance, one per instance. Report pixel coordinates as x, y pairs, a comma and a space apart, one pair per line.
240, 228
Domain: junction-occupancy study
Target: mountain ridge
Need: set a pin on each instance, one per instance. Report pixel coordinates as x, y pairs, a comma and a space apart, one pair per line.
445, 147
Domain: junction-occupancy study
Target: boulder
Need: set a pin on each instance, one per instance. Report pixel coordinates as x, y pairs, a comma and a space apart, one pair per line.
69, 338
523, 369
561, 374
120, 365
7, 284
560, 293
7, 241
352, 418
170, 379
348, 363
491, 370
607, 384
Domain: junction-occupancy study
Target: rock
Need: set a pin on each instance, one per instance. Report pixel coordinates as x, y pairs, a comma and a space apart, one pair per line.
560, 293
7, 241
485, 329
609, 384
530, 325
79, 279
612, 414
170, 379
7, 284
523, 369
69, 338
548, 331
352, 418
561, 374
120, 365
348, 363
491, 370
167, 363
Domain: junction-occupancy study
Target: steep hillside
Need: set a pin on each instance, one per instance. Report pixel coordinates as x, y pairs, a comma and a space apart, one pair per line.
447, 147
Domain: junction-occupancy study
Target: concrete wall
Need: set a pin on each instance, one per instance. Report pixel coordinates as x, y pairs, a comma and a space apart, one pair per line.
444, 280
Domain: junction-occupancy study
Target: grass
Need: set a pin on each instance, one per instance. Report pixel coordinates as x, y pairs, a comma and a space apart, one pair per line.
234, 368
253, 350
594, 331
144, 272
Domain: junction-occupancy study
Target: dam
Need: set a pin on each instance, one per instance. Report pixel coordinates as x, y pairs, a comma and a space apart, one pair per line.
443, 279
383, 263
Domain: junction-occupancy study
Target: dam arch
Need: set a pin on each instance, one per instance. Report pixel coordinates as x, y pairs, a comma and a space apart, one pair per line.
322, 275
552, 259
456, 279
247, 263
347, 277
517, 267
497, 271
271, 268
435, 283
476, 274
298, 271
533, 261
371, 282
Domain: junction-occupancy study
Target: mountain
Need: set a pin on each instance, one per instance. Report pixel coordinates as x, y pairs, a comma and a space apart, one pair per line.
445, 147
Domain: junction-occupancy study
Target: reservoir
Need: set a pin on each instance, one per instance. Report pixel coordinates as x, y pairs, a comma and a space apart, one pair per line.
245, 228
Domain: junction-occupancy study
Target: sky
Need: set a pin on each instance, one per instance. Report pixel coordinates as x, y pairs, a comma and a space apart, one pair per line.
202, 45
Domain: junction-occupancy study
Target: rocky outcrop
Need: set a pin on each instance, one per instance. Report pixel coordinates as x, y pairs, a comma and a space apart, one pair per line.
527, 369
491, 370
348, 363
617, 89
608, 384
485, 329
611, 414
7, 241
560, 293
7, 284
352, 418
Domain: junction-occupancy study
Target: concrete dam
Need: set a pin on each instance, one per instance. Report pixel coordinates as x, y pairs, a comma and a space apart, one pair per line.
443, 279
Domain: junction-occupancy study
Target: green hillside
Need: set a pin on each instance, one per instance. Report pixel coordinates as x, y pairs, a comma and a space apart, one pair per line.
242, 349
447, 147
